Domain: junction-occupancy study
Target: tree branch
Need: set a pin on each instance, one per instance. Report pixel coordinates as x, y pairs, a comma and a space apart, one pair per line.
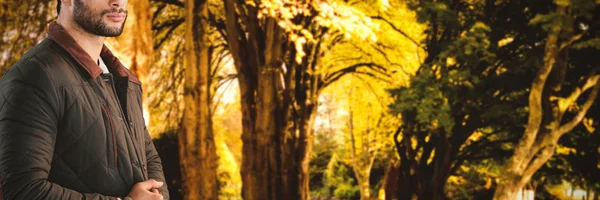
381, 103
233, 31
535, 164
472, 150
158, 11
586, 106
169, 32
174, 22
571, 41
428, 147
219, 24
397, 30
229, 79
564, 103
396, 142
515, 164
171, 2
328, 79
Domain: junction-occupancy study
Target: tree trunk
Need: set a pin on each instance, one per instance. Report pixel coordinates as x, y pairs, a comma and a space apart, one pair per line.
391, 180
302, 149
275, 162
269, 140
276, 131
362, 176
420, 178
514, 169
546, 110
365, 190
509, 190
361, 165
198, 155
255, 164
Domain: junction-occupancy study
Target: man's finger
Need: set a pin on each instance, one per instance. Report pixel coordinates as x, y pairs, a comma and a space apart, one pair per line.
156, 184
146, 185
154, 190
149, 184
158, 196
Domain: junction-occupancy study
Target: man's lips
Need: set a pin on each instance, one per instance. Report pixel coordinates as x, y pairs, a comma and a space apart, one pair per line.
116, 17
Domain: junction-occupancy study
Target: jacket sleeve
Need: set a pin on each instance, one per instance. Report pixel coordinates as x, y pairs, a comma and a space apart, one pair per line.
29, 112
155, 169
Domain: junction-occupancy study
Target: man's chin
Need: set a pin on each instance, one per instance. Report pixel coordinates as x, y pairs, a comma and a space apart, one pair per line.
113, 29
114, 34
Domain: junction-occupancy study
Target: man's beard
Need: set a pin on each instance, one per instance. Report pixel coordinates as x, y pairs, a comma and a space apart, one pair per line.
95, 24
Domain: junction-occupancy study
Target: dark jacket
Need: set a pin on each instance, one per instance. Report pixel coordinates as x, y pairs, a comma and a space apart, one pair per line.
67, 132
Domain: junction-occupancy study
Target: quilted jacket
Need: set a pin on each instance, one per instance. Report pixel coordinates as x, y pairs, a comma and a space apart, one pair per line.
67, 131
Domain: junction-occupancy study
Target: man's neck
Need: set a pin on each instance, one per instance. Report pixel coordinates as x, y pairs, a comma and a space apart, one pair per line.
92, 44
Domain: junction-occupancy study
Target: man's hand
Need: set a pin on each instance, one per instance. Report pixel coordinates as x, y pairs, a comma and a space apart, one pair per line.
146, 190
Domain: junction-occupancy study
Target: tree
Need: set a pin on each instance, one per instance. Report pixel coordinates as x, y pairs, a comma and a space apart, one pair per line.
368, 124
576, 154
167, 68
466, 99
276, 59
258, 54
197, 149
20, 31
551, 103
170, 99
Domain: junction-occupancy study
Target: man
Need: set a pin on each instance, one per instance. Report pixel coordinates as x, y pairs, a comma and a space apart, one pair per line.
71, 123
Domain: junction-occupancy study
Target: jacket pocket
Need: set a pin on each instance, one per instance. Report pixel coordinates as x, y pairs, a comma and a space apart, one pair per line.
113, 137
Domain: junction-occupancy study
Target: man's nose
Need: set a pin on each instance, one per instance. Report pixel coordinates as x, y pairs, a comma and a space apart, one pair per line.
118, 3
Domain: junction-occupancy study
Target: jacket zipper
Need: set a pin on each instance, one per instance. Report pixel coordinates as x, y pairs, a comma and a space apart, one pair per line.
124, 119
114, 137
127, 124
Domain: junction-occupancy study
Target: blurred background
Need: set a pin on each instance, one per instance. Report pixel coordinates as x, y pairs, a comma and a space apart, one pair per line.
360, 99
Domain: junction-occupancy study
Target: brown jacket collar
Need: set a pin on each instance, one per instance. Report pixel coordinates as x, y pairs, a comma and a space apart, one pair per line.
60, 35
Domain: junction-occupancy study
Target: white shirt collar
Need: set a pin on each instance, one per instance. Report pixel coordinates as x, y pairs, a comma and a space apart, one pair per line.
102, 66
